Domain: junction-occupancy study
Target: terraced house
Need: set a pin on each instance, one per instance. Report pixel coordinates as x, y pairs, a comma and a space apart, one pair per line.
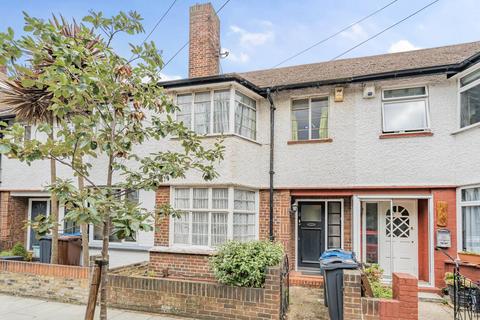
376, 154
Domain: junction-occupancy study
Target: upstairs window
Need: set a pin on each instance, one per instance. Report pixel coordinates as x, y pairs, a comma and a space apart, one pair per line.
245, 116
217, 112
405, 110
470, 99
310, 119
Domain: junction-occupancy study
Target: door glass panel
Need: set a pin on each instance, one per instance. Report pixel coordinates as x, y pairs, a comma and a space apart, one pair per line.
38, 208
371, 232
312, 212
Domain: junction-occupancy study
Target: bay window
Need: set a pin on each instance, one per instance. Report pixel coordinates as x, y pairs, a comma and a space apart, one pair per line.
210, 216
218, 112
245, 116
470, 99
310, 119
470, 208
405, 110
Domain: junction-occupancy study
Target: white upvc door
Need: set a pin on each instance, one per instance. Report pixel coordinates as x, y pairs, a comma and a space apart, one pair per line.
398, 237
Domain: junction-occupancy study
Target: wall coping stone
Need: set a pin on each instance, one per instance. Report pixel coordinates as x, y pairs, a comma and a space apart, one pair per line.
184, 250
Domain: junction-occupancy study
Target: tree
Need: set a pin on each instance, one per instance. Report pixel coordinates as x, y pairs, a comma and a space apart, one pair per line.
113, 106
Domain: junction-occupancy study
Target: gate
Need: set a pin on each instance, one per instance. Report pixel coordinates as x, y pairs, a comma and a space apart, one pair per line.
284, 288
465, 296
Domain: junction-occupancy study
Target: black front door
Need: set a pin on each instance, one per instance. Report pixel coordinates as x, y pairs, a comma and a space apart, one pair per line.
311, 233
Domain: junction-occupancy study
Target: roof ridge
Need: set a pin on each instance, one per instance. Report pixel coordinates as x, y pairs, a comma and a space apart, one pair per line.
361, 57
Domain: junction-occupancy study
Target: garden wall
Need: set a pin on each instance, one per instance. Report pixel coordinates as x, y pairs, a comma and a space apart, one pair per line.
201, 300
127, 290
403, 306
54, 282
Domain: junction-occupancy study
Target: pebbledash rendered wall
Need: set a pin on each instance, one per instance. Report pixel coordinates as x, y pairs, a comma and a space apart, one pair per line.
198, 299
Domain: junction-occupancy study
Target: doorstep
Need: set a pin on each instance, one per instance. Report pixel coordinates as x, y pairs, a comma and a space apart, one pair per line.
305, 279
430, 297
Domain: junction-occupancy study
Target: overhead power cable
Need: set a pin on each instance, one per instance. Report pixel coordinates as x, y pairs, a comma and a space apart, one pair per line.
336, 33
186, 43
385, 30
159, 21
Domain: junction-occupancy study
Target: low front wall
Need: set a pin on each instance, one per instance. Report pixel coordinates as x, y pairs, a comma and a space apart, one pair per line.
201, 300
55, 282
403, 305
126, 290
181, 265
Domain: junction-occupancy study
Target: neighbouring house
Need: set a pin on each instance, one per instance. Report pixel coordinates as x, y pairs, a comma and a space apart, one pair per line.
375, 154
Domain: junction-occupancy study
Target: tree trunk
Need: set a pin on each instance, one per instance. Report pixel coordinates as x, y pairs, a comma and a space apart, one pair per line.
54, 208
84, 228
106, 232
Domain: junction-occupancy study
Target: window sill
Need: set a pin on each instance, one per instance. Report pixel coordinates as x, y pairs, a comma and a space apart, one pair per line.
467, 128
327, 140
119, 246
226, 135
184, 250
405, 135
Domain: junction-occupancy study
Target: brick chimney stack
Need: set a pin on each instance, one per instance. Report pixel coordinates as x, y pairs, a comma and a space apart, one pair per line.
204, 49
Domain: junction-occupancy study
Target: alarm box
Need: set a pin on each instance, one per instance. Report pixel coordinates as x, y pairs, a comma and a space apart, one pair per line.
444, 238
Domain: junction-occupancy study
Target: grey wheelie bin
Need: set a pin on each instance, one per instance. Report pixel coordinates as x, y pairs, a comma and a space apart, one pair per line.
332, 264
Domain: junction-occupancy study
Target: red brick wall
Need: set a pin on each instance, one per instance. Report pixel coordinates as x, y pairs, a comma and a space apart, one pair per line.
204, 42
197, 299
423, 248
180, 265
162, 197
450, 197
43, 269
13, 215
283, 221
403, 305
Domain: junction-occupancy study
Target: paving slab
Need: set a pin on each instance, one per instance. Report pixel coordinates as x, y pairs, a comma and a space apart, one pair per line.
21, 308
434, 311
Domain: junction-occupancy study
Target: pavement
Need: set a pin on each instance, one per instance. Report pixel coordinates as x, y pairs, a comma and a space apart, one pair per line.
434, 311
20, 308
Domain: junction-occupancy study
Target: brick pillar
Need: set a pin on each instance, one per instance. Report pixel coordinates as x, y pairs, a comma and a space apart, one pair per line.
405, 290
352, 295
162, 197
13, 214
283, 221
204, 49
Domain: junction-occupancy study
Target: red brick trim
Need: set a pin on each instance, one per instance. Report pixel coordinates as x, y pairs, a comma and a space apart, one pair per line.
328, 140
405, 135
53, 270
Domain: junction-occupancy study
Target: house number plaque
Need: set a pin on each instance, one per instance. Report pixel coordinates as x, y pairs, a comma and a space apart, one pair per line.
442, 213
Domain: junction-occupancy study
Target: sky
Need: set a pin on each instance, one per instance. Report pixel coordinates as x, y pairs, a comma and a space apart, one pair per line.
260, 34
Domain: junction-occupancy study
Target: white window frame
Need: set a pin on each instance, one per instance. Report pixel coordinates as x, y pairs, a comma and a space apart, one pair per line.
230, 211
231, 110
121, 242
309, 98
460, 205
460, 90
423, 97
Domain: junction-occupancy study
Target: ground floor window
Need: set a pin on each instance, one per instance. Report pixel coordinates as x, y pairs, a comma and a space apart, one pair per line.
470, 208
211, 216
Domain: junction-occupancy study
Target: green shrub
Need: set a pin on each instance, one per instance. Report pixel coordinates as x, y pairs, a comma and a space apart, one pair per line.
374, 274
244, 264
6, 253
19, 250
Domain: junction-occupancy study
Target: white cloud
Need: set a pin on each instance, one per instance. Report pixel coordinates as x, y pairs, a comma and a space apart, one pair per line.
253, 39
402, 46
168, 77
241, 57
356, 33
